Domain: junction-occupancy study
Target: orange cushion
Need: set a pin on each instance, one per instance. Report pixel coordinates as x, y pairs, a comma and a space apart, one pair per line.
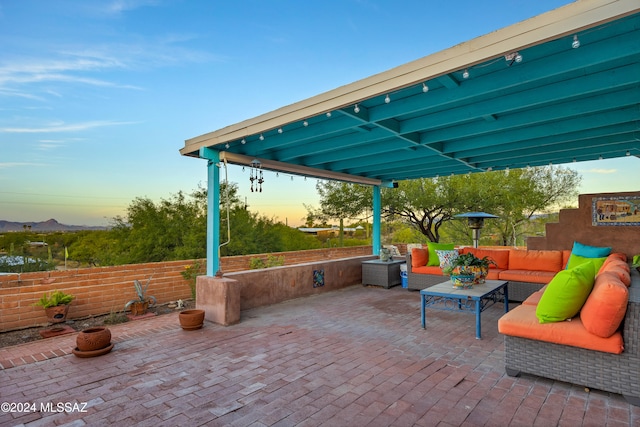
624, 277
429, 269
419, 257
529, 276
499, 256
522, 322
534, 298
614, 262
606, 306
535, 260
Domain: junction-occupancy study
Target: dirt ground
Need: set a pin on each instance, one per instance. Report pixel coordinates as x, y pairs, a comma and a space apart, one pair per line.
33, 334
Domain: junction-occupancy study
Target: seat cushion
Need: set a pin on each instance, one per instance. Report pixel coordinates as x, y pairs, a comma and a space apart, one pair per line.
535, 260
522, 322
419, 257
606, 306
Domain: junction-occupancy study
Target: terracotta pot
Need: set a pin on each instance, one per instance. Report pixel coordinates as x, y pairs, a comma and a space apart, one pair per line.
139, 308
191, 319
93, 339
57, 314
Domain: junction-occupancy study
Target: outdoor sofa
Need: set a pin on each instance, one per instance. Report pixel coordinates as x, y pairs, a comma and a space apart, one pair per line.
527, 271
597, 348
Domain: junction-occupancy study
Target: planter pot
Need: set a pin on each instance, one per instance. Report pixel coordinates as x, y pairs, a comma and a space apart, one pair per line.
191, 319
139, 308
57, 314
93, 339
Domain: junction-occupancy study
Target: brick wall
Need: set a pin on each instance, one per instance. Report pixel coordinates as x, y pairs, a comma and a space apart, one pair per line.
105, 289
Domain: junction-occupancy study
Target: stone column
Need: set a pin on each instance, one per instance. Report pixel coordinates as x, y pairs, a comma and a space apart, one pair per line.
219, 297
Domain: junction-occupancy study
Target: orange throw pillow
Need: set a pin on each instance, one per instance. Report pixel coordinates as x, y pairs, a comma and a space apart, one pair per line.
419, 257
606, 306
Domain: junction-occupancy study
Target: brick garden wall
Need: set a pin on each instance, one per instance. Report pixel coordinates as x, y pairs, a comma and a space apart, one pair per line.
105, 289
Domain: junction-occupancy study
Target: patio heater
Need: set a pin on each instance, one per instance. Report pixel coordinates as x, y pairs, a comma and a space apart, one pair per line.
476, 222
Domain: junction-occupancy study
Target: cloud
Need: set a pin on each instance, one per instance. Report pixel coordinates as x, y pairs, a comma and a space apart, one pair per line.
64, 127
602, 171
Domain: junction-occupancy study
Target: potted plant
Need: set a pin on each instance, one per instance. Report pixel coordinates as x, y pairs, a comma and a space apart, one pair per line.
56, 305
140, 305
469, 269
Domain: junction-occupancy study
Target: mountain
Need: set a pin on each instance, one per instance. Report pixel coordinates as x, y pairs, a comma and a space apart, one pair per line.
50, 225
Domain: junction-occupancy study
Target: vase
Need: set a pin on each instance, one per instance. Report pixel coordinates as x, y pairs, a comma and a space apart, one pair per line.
93, 339
57, 314
139, 308
191, 319
462, 281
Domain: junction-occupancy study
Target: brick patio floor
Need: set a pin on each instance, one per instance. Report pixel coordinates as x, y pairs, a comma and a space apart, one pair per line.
355, 357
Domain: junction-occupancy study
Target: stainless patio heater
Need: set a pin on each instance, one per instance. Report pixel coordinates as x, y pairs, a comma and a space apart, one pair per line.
476, 222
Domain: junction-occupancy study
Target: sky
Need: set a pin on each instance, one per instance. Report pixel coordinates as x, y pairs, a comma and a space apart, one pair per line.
97, 97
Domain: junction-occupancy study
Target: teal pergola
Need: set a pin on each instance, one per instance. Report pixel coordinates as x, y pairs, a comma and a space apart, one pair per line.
558, 88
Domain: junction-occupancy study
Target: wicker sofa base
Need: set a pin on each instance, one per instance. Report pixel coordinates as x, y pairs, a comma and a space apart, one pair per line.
615, 373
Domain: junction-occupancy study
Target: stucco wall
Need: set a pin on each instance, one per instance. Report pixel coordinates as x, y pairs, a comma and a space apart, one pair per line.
103, 290
576, 225
277, 284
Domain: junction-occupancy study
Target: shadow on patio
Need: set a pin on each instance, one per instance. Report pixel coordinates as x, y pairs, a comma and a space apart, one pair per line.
352, 357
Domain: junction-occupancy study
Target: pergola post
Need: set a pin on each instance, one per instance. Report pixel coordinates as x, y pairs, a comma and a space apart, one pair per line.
377, 212
213, 209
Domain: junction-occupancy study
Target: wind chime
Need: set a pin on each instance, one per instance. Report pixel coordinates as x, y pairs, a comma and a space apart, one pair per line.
255, 176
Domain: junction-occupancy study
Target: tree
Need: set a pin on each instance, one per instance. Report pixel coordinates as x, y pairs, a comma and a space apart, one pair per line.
428, 204
514, 196
340, 200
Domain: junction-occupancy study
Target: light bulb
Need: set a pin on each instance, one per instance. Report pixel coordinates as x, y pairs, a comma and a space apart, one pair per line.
305, 123
227, 145
465, 74
425, 88
243, 141
356, 109
387, 99
576, 43
329, 114
628, 153
261, 137
279, 130
518, 58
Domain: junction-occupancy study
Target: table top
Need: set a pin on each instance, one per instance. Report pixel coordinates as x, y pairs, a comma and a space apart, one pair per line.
377, 261
477, 291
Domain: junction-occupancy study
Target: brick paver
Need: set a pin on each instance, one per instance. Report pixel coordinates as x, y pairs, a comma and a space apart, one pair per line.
353, 357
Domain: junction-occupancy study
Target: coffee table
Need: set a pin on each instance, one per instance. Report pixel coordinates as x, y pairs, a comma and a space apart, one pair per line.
444, 296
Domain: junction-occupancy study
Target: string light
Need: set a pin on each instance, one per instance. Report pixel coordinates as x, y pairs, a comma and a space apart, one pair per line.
329, 114
243, 141
279, 130
465, 74
425, 88
356, 109
576, 43
305, 123
261, 137
387, 99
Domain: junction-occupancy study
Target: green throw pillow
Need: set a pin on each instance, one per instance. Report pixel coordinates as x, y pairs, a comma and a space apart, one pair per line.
566, 293
433, 256
576, 260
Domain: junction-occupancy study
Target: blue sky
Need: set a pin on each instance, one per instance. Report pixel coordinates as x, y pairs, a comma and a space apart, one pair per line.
97, 97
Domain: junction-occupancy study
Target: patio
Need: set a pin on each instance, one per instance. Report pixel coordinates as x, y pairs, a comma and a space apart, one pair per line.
356, 356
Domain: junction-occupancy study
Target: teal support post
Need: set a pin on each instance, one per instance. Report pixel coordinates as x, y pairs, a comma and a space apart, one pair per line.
377, 213
213, 209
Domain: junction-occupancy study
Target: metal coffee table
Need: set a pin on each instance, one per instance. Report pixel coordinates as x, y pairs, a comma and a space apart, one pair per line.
444, 296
